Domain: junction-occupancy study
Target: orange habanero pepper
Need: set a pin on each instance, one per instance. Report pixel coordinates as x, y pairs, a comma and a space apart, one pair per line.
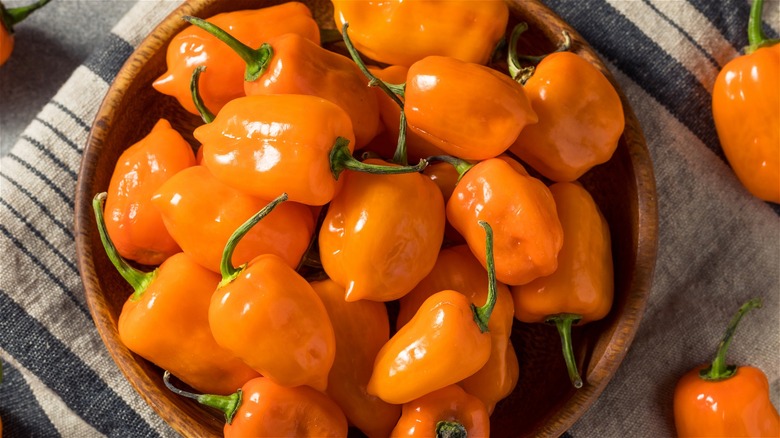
447, 412
9, 17
581, 288
457, 269
446, 341
580, 114
271, 317
262, 408
134, 224
292, 64
722, 400
382, 233
165, 320
224, 80
519, 207
296, 143
201, 213
746, 111
361, 328
403, 32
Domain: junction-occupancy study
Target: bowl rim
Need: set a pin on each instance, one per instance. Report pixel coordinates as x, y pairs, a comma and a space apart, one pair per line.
566, 415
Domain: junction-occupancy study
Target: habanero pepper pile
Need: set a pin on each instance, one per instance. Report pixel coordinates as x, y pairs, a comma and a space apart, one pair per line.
302, 276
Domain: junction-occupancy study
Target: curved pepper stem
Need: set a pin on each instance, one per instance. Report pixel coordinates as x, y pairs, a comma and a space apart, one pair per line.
563, 323
461, 166
482, 314
756, 37
341, 159
256, 60
719, 370
11, 16
204, 112
516, 70
450, 429
228, 404
230, 272
138, 280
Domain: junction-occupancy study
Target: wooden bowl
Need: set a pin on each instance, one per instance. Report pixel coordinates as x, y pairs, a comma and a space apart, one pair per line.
544, 402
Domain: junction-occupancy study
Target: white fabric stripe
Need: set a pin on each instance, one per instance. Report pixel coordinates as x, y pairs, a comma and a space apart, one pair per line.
772, 14
668, 38
699, 28
83, 99
142, 18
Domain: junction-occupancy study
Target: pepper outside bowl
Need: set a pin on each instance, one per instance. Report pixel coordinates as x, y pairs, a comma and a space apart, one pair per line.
544, 402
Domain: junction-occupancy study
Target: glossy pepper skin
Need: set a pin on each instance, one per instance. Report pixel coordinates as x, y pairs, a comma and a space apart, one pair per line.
403, 32
458, 410
485, 109
522, 212
361, 328
725, 401
582, 287
262, 408
746, 112
580, 118
293, 64
270, 316
9, 17
201, 213
457, 269
402, 216
165, 320
134, 224
223, 79
446, 341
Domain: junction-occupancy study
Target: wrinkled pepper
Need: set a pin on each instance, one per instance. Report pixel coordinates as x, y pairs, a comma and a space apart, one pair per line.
9, 17
580, 114
296, 143
201, 213
133, 223
519, 207
402, 216
457, 269
270, 316
446, 341
262, 408
165, 320
746, 111
582, 287
361, 328
404, 32
446, 412
720, 400
224, 79
292, 64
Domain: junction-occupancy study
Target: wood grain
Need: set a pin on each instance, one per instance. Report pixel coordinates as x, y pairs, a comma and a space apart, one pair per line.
544, 403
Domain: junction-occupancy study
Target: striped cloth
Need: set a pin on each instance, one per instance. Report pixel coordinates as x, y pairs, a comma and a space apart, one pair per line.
718, 245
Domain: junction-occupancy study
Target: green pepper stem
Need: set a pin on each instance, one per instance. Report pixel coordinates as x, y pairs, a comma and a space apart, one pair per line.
461, 166
227, 404
256, 60
12, 16
563, 323
137, 279
516, 70
341, 159
450, 429
204, 112
230, 272
482, 314
719, 370
756, 37
400, 156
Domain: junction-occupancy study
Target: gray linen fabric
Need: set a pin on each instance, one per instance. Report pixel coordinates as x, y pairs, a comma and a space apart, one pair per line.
718, 246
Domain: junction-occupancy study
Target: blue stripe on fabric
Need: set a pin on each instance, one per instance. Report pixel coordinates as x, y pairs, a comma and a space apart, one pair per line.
567, 435
44, 269
685, 33
61, 135
45, 150
108, 59
21, 413
56, 188
730, 17
71, 114
41, 206
79, 387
